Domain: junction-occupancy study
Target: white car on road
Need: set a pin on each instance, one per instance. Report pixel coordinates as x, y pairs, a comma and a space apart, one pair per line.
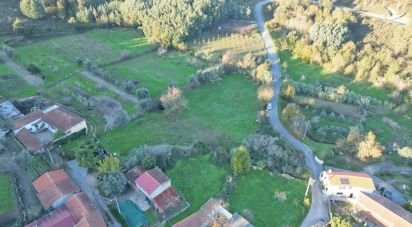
269, 106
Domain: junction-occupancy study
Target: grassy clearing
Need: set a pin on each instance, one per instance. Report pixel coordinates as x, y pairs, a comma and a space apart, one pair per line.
154, 72
223, 111
12, 86
256, 191
315, 73
122, 39
197, 179
42, 55
6, 194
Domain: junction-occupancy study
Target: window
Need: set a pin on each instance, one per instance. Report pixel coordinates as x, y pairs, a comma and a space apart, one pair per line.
339, 193
344, 180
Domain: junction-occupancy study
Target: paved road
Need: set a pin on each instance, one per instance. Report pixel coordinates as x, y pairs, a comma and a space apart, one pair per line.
20, 71
319, 207
113, 88
78, 177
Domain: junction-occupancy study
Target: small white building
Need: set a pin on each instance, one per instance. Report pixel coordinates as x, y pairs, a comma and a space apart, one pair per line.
345, 184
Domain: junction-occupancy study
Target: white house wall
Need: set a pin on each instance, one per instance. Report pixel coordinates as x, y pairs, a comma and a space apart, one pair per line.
77, 128
160, 189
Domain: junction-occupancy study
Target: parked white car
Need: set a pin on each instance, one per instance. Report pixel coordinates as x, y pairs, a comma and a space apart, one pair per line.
269, 106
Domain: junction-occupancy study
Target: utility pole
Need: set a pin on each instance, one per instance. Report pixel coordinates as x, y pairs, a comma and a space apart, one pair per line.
307, 188
306, 129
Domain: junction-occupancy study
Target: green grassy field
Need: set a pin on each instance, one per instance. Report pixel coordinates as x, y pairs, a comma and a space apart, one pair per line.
256, 191
122, 39
154, 72
42, 55
315, 73
198, 180
224, 111
6, 196
12, 86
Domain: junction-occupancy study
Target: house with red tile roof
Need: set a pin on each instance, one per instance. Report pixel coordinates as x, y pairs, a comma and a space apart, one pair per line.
54, 188
380, 211
158, 189
84, 212
60, 217
212, 211
36, 129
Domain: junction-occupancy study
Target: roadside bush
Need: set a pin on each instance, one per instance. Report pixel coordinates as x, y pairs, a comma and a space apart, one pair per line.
262, 74
265, 93
288, 91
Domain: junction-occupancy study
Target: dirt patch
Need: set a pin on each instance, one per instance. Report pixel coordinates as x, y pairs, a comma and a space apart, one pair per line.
111, 110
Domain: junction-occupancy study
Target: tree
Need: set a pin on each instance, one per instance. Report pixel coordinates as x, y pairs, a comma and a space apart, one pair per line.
108, 164
112, 183
142, 93
32, 9
241, 161
87, 154
338, 221
173, 101
18, 26
148, 161
369, 147
405, 152
329, 34
288, 91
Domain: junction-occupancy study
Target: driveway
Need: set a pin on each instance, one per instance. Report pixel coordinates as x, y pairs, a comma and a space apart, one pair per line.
319, 206
20, 71
78, 175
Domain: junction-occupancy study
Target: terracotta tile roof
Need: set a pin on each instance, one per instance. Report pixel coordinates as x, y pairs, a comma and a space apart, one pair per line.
390, 207
84, 212
199, 218
53, 185
354, 179
150, 180
60, 217
166, 199
62, 119
27, 119
29, 140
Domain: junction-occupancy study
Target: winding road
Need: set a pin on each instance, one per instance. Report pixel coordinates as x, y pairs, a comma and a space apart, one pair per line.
318, 211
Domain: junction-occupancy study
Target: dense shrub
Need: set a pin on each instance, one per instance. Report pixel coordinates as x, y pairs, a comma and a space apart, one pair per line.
275, 153
113, 183
369, 148
32, 9
165, 155
210, 74
22, 27
33, 69
329, 34
173, 101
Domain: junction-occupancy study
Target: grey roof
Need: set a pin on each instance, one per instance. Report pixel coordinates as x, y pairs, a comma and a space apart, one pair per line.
8, 110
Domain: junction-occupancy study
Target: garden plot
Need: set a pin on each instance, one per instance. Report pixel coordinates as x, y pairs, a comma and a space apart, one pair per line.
268, 199
12, 86
6, 194
154, 72
239, 37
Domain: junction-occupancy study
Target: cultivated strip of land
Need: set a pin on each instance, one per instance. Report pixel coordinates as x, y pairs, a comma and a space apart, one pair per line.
20, 71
